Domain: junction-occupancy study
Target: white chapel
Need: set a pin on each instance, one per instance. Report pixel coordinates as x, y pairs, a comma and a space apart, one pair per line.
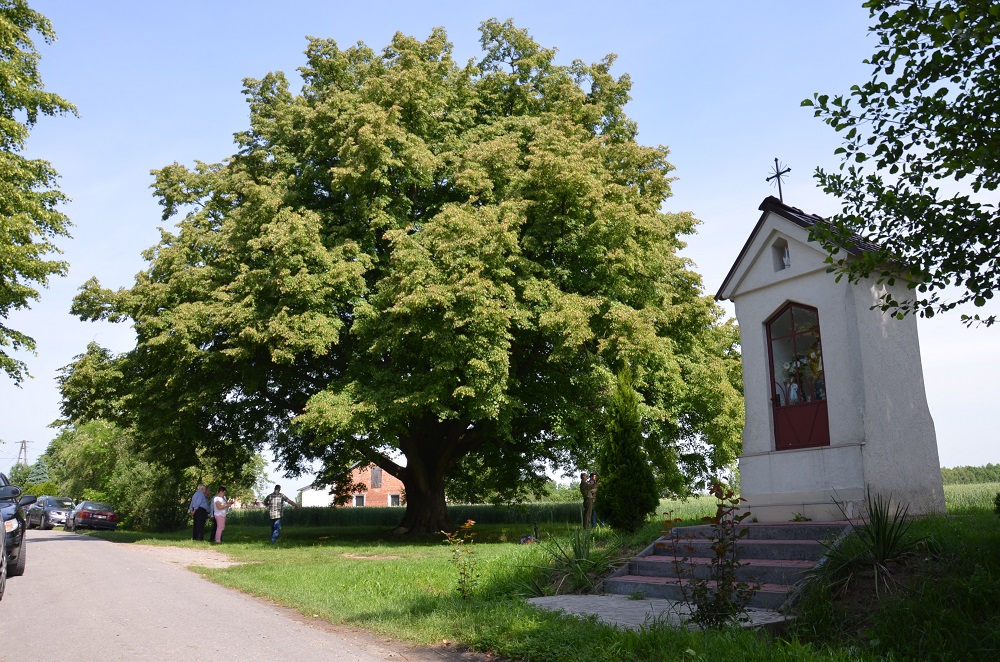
834, 387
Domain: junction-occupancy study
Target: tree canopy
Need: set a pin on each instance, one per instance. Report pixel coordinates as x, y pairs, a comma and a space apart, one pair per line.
430, 266
921, 155
29, 220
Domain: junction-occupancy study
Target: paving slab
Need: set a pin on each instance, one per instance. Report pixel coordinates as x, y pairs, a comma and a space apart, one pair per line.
624, 612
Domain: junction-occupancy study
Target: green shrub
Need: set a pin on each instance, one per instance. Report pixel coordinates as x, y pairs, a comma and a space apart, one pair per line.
627, 491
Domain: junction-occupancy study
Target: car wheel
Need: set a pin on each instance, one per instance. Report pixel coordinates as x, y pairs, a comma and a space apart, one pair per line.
17, 569
68, 526
44, 523
27, 521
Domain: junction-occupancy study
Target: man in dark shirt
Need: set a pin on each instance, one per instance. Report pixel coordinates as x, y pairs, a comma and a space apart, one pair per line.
199, 510
586, 489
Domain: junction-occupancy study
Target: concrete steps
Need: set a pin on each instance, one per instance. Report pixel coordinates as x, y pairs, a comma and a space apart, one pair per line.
774, 555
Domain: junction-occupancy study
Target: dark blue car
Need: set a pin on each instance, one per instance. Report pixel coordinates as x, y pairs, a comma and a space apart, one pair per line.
12, 504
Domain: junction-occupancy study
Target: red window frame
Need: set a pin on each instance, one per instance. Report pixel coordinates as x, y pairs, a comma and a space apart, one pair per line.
798, 378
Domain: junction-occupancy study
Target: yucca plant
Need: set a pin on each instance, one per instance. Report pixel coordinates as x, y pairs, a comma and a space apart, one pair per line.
582, 563
881, 538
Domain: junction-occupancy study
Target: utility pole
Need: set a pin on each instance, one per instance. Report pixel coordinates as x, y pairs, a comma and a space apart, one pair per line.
22, 455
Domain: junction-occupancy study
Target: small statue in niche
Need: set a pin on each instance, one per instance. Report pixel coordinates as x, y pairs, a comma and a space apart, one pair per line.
820, 388
786, 259
815, 358
793, 394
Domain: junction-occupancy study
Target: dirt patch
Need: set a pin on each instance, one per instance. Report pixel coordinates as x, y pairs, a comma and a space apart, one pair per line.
186, 556
855, 602
371, 557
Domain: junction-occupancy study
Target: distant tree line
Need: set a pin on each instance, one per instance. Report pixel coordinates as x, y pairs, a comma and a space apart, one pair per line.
970, 475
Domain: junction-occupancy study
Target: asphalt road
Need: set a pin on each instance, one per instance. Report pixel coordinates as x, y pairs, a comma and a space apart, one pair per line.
82, 599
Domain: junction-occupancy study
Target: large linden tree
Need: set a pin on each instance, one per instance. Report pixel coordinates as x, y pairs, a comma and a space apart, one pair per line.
434, 267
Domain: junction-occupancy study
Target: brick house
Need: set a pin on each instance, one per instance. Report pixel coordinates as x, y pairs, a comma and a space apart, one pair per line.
382, 489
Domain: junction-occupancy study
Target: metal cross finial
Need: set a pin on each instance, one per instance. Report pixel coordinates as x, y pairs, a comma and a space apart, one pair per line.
778, 172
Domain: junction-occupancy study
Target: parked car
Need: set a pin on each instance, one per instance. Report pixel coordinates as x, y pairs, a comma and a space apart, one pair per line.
92, 515
3, 561
12, 504
48, 512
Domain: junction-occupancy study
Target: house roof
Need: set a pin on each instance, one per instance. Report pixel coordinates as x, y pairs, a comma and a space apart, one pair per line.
772, 205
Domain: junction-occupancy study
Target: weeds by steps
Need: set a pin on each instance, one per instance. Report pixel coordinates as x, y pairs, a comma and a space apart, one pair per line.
717, 598
463, 555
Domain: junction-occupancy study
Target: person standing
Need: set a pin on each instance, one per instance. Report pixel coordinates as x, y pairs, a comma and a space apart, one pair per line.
219, 508
588, 499
199, 510
275, 502
593, 500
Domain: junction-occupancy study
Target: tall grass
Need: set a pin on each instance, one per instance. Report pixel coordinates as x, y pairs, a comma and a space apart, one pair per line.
527, 514
960, 498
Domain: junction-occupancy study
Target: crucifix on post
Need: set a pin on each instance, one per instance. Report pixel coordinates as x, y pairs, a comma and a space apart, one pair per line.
778, 172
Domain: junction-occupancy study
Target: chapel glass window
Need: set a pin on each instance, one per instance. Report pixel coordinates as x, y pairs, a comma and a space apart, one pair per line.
797, 357
798, 378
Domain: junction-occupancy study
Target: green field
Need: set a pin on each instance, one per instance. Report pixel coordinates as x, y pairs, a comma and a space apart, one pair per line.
356, 574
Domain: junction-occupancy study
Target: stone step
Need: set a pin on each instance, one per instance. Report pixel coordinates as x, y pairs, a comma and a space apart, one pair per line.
770, 571
800, 550
776, 555
770, 596
772, 530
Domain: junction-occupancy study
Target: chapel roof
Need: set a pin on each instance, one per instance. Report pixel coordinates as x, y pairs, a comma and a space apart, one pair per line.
772, 205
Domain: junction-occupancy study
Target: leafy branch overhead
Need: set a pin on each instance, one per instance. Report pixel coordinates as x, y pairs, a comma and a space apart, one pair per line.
29, 219
921, 156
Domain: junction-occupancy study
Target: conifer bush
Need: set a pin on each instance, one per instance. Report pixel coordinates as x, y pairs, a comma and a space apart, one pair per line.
627, 491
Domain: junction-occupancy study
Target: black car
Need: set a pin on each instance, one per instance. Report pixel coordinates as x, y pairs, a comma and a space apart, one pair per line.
3, 561
92, 515
48, 512
12, 504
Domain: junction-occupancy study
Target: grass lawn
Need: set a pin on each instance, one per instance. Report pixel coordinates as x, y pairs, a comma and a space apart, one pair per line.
948, 607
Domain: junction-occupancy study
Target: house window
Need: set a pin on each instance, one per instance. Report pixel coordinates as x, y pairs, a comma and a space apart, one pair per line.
798, 380
394, 500
376, 477
359, 500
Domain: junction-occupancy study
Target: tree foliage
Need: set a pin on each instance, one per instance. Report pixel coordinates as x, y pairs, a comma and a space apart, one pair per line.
921, 155
100, 461
966, 475
627, 491
420, 258
18, 474
29, 220
39, 471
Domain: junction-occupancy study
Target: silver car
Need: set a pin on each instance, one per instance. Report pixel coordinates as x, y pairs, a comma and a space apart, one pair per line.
48, 512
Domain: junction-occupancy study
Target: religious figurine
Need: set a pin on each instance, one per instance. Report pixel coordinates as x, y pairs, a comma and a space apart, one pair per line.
793, 394
787, 259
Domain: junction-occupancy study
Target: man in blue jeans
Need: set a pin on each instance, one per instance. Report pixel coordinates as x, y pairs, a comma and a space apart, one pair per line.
275, 501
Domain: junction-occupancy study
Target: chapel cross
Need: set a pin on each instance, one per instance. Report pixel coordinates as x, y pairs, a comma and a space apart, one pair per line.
778, 172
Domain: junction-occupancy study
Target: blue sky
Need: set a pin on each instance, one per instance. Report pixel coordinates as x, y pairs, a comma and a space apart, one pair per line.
719, 83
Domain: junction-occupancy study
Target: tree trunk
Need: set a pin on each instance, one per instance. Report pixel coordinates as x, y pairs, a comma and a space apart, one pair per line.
432, 449
426, 510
